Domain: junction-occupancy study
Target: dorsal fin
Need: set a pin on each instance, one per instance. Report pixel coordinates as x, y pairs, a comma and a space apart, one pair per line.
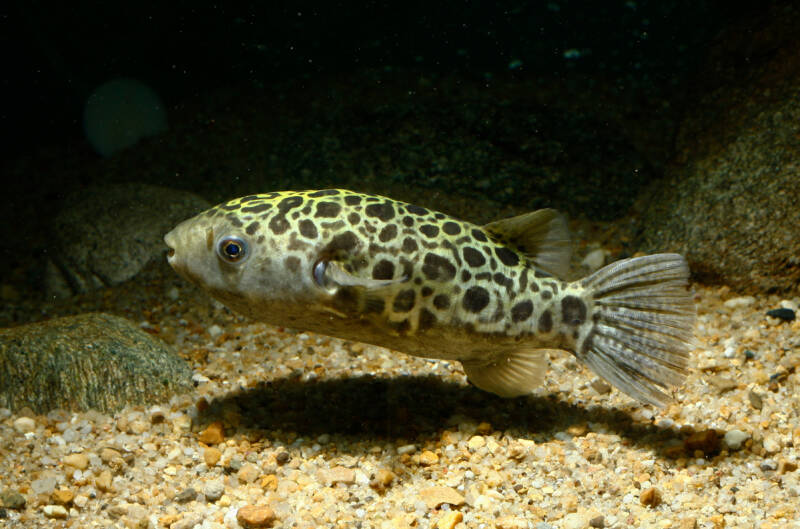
542, 236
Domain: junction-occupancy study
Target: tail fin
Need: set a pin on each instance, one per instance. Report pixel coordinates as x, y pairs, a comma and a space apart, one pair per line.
643, 320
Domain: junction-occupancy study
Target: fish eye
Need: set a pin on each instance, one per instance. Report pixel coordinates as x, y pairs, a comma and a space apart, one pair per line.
232, 249
319, 273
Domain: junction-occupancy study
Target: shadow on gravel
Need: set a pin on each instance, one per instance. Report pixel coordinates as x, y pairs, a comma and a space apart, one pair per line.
415, 408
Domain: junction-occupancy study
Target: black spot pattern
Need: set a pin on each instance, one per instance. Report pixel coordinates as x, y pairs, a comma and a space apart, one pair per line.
260, 208
429, 230
252, 228
427, 319
388, 233
308, 229
410, 245
404, 301
383, 270
353, 218
438, 268
475, 299
546, 294
292, 263
426, 291
573, 310
416, 210
324, 193
451, 228
479, 235
328, 209
473, 257
521, 311
441, 301
384, 211
545, 322
408, 221
344, 242
506, 256
352, 200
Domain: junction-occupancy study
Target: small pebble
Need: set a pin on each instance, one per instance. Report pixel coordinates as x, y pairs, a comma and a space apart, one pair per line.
103, 481
598, 522
601, 386
283, 457
255, 516
436, 496
11, 499
24, 425
786, 466
383, 479
406, 449
211, 456
744, 301
79, 461
248, 473
186, 495
213, 435
513, 522
476, 442
575, 521
650, 497
57, 512
449, 520
734, 439
723, 384
214, 490
782, 314
340, 474
755, 400
63, 496
428, 458
768, 465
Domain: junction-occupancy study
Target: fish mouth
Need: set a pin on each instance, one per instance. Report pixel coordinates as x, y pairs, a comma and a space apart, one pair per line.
169, 240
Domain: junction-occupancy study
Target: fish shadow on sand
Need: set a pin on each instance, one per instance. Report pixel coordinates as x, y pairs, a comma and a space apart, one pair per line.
416, 409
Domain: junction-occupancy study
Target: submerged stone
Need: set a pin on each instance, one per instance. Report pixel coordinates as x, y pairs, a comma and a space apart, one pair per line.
91, 361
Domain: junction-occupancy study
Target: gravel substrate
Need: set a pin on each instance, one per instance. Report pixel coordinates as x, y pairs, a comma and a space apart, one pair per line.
291, 429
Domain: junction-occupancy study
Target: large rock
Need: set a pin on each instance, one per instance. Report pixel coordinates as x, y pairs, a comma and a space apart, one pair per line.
90, 361
105, 235
731, 202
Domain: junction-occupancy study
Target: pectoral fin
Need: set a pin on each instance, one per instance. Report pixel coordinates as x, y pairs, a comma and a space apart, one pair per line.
354, 295
512, 375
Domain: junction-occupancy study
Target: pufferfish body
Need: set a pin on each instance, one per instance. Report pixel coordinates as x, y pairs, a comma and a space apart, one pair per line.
371, 269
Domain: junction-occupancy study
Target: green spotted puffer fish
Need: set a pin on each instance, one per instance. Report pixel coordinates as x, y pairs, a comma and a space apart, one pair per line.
371, 269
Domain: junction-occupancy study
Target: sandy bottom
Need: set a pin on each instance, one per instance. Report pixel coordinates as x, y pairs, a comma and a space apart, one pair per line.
290, 429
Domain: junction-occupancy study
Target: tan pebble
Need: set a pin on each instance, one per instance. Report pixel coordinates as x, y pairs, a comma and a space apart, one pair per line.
449, 520
723, 384
168, 519
108, 454
63, 496
435, 496
213, 435
756, 401
255, 516
688, 523
383, 479
269, 482
476, 442
650, 497
787, 466
601, 386
211, 456
248, 473
405, 521
55, 511
578, 430
511, 522
103, 481
339, 475
428, 458
79, 461
24, 425
484, 428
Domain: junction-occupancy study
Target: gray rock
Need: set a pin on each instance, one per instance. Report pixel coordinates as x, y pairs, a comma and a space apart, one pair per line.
730, 201
11, 499
90, 361
105, 235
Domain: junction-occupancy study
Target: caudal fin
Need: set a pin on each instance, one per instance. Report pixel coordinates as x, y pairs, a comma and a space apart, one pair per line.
643, 319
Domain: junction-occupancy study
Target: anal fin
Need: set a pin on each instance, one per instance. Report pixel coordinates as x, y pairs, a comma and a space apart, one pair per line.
511, 375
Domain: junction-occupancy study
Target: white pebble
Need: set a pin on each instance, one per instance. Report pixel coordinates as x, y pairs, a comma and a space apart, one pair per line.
214, 490
215, 330
24, 425
406, 449
54, 511
789, 304
575, 521
173, 294
772, 444
595, 259
736, 303
734, 439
